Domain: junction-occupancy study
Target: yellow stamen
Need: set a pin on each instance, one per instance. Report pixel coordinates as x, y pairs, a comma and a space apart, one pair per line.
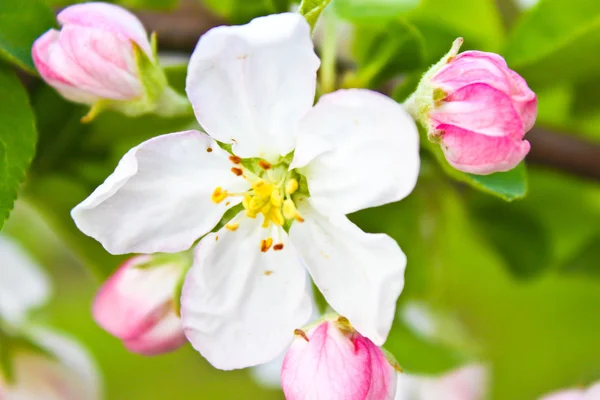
266, 244
219, 195
232, 227
289, 209
291, 186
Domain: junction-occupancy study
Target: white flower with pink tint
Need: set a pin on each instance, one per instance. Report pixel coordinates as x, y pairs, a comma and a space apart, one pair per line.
465, 383
335, 362
137, 304
477, 109
102, 56
294, 171
49, 367
591, 393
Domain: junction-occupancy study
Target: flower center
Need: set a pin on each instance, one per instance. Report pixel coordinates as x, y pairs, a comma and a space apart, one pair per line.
273, 188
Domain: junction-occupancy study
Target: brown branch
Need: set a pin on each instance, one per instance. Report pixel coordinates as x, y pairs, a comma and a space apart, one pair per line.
180, 29
564, 152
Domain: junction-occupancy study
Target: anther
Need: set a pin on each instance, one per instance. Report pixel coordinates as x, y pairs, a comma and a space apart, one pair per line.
237, 171
300, 332
208, 149
278, 246
291, 186
232, 227
266, 244
219, 195
264, 164
289, 209
235, 159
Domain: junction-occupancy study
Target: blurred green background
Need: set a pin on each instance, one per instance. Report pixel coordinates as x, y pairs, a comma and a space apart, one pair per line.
513, 284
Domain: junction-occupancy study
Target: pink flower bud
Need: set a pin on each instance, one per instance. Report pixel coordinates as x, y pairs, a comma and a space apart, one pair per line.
136, 305
92, 56
478, 110
333, 361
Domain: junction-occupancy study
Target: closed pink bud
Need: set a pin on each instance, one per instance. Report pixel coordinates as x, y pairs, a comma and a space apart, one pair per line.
591, 393
136, 304
478, 110
333, 361
92, 56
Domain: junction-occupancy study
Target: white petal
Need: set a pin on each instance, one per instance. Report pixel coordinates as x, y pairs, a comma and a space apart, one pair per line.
239, 305
159, 197
360, 274
23, 284
360, 149
251, 84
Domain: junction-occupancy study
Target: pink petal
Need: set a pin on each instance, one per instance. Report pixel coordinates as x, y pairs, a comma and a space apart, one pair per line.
334, 364
134, 300
106, 17
475, 153
482, 109
163, 337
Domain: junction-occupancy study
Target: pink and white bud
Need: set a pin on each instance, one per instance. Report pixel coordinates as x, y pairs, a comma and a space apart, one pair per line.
92, 57
137, 305
591, 393
333, 361
59, 370
478, 109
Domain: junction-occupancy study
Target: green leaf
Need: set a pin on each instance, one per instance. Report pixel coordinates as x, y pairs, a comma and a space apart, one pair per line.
556, 41
385, 50
312, 9
17, 139
509, 186
518, 236
22, 22
360, 10
442, 21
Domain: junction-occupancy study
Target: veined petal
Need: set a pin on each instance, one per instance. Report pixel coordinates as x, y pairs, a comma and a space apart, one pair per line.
23, 285
98, 62
240, 305
107, 17
251, 84
480, 108
159, 197
360, 149
360, 274
481, 154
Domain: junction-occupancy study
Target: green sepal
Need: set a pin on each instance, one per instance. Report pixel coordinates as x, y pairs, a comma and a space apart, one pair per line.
311, 10
391, 359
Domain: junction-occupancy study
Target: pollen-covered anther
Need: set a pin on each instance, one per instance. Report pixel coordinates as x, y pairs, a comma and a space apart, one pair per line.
290, 211
219, 195
235, 159
266, 244
291, 186
278, 246
233, 226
